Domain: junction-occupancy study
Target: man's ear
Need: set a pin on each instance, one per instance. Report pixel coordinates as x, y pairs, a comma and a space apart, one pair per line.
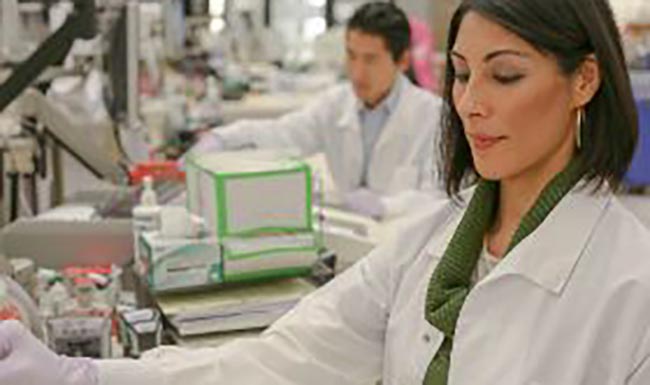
404, 62
586, 81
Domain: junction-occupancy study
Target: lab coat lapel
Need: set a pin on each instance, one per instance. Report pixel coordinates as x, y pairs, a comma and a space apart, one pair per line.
439, 242
398, 130
545, 260
350, 157
548, 256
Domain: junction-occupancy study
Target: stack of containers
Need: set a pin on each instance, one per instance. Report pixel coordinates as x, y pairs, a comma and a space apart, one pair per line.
260, 211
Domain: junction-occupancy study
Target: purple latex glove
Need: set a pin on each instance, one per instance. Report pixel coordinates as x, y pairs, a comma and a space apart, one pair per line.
24, 360
208, 142
365, 202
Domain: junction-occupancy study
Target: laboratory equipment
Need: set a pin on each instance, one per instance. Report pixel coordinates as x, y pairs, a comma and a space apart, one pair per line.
73, 138
123, 66
80, 24
79, 291
78, 304
60, 243
240, 307
141, 330
16, 304
24, 273
80, 337
177, 222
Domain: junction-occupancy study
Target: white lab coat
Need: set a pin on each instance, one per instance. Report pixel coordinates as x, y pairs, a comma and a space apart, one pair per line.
402, 161
570, 305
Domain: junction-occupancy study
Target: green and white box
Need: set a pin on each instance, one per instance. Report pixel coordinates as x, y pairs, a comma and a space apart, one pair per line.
270, 256
259, 208
180, 263
240, 196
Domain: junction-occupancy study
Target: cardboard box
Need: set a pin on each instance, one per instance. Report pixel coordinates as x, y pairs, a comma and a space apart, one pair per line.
180, 263
239, 196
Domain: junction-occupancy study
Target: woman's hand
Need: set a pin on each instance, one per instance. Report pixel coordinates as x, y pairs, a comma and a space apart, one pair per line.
24, 360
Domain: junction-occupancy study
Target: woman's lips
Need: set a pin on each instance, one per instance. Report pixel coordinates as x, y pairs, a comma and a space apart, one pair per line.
483, 142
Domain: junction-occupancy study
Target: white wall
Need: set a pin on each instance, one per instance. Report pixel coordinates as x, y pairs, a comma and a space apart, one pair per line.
626, 10
247, 5
631, 10
421, 8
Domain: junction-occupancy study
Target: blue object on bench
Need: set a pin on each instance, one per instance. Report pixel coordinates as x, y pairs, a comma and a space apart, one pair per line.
639, 172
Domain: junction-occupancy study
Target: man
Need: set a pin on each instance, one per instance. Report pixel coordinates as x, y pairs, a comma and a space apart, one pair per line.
377, 131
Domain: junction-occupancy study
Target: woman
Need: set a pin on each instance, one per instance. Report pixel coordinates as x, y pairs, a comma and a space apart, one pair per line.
536, 276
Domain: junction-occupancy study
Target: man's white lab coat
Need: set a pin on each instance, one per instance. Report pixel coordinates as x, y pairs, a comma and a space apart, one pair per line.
403, 160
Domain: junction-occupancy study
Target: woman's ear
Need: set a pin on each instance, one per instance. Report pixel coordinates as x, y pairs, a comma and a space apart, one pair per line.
586, 81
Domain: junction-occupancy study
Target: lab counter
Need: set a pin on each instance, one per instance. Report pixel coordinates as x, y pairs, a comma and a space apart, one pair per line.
352, 236
264, 106
56, 244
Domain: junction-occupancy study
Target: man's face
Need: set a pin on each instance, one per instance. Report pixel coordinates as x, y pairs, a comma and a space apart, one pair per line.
371, 67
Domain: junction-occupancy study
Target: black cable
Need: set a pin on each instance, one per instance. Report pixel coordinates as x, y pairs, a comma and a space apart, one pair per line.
78, 157
80, 24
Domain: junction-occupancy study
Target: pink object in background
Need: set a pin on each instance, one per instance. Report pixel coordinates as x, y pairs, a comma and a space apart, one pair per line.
422, 54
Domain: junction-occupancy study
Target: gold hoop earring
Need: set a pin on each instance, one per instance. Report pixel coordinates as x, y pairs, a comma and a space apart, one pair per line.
580, 121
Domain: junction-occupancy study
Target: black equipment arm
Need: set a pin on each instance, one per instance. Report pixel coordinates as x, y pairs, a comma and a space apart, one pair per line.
79, 25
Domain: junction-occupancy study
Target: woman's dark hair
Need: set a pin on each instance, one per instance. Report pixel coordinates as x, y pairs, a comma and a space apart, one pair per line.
568, 30
387, 21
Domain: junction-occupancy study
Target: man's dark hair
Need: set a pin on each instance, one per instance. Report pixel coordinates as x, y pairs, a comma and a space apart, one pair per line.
569, 31
387, 21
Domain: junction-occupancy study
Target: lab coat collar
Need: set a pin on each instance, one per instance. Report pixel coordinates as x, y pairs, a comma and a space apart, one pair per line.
549, 255
351, 118
395, 125
438, 244
390, 102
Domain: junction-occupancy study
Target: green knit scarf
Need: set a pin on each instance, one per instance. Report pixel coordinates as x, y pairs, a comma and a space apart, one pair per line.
451, 280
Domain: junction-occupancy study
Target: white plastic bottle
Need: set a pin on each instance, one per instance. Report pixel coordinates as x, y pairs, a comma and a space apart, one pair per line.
146, 217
